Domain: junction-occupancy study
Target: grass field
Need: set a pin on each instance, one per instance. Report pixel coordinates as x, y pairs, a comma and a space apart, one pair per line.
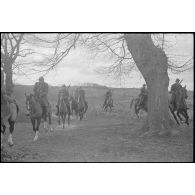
100, 137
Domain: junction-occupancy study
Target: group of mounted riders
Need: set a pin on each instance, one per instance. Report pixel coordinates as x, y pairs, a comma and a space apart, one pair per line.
41, 92
73, 102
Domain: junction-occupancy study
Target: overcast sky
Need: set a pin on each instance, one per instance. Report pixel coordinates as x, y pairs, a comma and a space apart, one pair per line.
79, 67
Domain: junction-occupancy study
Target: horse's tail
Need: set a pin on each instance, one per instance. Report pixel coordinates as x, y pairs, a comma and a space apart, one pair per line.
131, 103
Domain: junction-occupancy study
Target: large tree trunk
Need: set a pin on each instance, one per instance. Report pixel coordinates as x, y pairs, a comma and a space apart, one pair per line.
152, 63
9, 78
2, 78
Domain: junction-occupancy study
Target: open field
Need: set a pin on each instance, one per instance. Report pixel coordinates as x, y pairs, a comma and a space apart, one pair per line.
100, 137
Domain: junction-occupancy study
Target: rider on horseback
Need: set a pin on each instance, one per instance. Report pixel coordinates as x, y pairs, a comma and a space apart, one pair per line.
143, 95
108, 96
81, 94
64, 93
41, 92
174, 90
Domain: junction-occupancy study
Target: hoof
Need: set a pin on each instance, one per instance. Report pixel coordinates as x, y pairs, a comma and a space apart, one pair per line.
10, 144
35, 139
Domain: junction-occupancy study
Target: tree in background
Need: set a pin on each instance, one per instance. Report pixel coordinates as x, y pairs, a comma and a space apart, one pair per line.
10, 49
14, 49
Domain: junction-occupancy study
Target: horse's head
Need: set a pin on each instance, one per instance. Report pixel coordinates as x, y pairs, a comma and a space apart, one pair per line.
30, 100
183, 92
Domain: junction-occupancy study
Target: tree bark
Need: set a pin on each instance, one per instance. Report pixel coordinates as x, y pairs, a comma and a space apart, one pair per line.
8, 78
2, 78
152, 63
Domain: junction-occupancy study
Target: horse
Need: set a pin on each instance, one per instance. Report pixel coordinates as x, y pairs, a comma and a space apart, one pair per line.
64, 109
179, 105
36, 113
108, 104
138, 106
82, 107
73, 106
9, 112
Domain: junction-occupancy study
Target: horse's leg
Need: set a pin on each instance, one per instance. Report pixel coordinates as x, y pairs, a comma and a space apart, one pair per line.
11, 129
59, 116
50, 125
178, 114
64, 120
185, 114
3, 128
80, 115
187, 117
33, 124
110, 108
172, 112
86, 108
44, 117
33, 121
68, 119
37, 128
136, 111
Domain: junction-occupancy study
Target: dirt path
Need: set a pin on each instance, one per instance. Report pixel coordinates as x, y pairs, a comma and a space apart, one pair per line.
101, 138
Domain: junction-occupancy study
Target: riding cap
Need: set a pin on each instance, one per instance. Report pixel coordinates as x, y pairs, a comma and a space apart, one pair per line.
41, 78
177, 80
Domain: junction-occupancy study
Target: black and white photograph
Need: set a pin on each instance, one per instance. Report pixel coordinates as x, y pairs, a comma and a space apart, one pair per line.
97, 97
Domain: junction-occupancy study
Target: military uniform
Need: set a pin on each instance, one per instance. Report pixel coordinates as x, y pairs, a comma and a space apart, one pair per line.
40, 92
108, 94
174, 89
81, 93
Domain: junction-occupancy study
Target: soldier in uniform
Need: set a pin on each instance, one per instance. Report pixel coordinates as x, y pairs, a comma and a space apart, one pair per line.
143, 95
81, 93
40, 93
107, 96
65, 94
174, 89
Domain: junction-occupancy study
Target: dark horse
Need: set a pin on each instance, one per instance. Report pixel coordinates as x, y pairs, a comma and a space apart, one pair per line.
9, 112
108, 104
73, 106
180, 105
64, 110
36, 113
82, 106
138, 106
